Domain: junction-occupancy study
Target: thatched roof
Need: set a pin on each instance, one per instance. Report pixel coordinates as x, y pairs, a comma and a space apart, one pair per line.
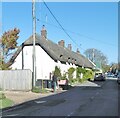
56, 52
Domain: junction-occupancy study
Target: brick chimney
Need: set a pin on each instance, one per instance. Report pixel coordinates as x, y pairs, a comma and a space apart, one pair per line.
78, 51
43, 32
61, 43
70, 47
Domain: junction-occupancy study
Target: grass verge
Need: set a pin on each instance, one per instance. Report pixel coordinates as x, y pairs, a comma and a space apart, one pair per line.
5, 103
39, 90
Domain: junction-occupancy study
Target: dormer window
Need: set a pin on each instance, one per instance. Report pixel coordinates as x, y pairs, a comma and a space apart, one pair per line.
61, 56
75, 61
69, 59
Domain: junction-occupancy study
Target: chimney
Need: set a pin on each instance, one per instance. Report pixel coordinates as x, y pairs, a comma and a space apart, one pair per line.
61, 43
70, 47
43, 32
78, 51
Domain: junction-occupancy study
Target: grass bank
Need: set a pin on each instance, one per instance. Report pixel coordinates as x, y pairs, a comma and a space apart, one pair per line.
5, 102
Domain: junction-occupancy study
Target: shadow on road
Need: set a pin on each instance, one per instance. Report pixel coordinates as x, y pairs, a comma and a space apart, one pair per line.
60, 97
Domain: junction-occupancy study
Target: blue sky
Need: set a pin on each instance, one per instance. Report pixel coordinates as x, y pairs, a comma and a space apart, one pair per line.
90, 24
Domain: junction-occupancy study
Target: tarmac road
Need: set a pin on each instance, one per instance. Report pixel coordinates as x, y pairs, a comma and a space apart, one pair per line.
79, 101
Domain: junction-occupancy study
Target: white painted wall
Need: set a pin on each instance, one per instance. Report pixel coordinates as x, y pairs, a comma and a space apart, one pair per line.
44, 63
18, 62
27, 52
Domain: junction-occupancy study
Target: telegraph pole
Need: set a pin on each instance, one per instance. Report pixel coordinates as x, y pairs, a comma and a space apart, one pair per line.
34, 35
93, 55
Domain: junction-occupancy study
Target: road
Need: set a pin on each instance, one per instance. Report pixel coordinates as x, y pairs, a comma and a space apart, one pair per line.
78, 101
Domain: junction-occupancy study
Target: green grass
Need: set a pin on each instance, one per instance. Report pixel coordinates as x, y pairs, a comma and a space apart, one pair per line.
39, 90
5, 103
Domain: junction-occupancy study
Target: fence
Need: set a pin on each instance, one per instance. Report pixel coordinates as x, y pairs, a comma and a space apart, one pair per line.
16, 80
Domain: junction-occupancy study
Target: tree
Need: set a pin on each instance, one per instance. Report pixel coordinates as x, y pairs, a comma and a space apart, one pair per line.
8, 42
96, 56
57, 71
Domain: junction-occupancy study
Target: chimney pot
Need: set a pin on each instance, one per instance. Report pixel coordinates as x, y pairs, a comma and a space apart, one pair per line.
78, 51
70, 47
61, 43
43, 32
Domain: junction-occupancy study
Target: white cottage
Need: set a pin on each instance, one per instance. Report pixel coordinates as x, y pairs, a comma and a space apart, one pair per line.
48, 55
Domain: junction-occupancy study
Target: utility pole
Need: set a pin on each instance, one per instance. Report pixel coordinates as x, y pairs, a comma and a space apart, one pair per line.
34, 37
93, 55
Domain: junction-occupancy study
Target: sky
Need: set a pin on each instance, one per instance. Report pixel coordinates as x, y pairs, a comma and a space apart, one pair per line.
89, 24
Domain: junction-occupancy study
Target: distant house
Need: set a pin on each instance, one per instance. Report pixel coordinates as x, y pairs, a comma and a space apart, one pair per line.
48, 55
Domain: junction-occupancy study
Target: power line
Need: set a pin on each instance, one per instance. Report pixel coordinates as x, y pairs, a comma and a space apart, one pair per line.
65, 30
59, 23
87, 37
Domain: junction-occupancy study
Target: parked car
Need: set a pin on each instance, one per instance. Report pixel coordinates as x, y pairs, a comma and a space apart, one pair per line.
118, 78
99, 77
109, 74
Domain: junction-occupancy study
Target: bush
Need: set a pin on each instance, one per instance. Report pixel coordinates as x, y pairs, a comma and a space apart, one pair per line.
57, 71
2, 96
87, 74
64, 76
39, 90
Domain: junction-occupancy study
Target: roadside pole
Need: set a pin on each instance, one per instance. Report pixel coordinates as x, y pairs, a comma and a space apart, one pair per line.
34, 37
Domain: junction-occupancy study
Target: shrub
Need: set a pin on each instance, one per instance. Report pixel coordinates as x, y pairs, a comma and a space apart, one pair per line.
87, 74
64, 76
57, 71
2, 96
39, 90
70, 74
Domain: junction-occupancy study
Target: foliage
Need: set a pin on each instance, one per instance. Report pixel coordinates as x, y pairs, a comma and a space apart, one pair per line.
70, 74
2, 96
105, 68
57, 71
8, 43
79, 70
5, 103
4, 66
37, 89
9, 39
64, 76
87, 74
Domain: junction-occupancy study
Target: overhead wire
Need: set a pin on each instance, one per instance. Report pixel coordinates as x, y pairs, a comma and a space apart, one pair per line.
78, 34
59, 23
66, 30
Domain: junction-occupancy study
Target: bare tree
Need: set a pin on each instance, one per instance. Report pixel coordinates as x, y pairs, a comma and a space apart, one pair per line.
96, 56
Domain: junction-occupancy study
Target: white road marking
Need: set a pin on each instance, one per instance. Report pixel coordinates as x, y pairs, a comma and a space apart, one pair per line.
39, 102
70, 114
13, 115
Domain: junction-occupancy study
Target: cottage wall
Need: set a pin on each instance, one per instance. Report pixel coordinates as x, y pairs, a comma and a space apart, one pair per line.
44, 63
18, 62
